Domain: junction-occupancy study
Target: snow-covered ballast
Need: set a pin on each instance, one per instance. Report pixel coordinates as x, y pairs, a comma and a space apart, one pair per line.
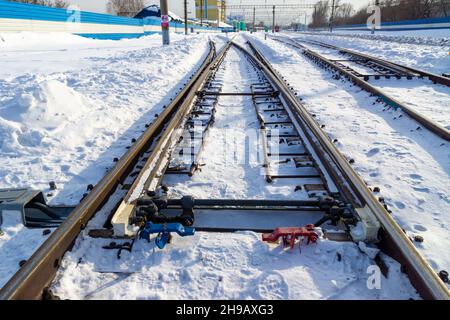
406, 25
19, 17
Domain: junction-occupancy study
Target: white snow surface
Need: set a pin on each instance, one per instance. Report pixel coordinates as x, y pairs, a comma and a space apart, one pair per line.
410, 166
69, 105
432, 56
437, 35
431, 100
224, 266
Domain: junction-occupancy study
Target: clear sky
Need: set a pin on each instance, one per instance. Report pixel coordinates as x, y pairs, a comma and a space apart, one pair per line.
177, 5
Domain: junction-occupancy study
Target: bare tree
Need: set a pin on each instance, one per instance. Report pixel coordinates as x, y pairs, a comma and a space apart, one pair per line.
61, 4
445, 7
126, 8
49, 3
391, 11
320, 15
343, 13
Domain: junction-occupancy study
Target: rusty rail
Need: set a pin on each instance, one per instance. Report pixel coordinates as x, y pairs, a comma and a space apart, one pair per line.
393, 240
434, 127
32, 279
35, 276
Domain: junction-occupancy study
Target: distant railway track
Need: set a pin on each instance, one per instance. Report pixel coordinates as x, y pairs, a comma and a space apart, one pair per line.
302, 153
382, 69
388, 38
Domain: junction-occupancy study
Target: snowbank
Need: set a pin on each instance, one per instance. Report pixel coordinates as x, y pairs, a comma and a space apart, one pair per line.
69, 105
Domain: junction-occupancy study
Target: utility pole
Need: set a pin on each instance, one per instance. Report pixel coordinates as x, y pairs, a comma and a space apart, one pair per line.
218, 17
332, 16
185, 18
224, 11
165, 22
273, 20
254, 21
201, 12
306, 16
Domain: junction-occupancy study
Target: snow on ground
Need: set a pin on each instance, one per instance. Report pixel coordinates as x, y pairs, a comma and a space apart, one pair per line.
17, 243
69, 105
402, 35
432, 57
65, 115
436, 37
231, 169
431, 100
68, 126
410, 166
223, 266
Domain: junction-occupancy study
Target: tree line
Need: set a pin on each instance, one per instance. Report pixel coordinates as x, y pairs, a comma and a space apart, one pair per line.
126, 8
391, 11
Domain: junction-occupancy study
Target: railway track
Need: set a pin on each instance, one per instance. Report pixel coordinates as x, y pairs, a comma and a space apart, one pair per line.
362, 69
295, 154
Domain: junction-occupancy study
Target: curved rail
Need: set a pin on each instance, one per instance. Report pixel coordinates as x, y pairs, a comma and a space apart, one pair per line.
37, 273
393, 240
32, 279
434, 127
432, 76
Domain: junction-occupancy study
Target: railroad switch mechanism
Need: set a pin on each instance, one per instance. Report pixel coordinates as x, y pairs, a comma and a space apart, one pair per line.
148, 209
290, 235
367, 228
164, 231
32, 207
335, 212
146, 215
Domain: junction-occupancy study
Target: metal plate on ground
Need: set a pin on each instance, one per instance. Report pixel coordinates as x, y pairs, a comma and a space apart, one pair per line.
255, 220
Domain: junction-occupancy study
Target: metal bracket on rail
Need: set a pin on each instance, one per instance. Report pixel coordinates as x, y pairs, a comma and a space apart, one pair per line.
335, 211
128, 246
367, 227
290, 235
148, 209
32, 207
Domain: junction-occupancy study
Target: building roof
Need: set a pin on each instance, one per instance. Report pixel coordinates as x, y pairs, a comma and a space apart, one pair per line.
153, 11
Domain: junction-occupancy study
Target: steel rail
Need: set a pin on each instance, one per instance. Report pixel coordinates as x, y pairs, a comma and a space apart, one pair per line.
358, 56
393, 240
155, 162
432, 76
31, 280
434, 127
